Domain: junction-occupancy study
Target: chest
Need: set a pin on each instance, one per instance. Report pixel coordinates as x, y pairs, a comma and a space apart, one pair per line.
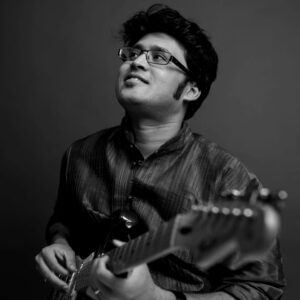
156, 189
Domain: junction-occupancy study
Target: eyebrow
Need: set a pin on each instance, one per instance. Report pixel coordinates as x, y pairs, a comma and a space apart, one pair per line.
156, 48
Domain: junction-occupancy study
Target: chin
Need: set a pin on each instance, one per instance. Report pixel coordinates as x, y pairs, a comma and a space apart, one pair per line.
130, 96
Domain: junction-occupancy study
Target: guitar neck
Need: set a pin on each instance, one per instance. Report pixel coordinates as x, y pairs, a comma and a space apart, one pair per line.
142, 249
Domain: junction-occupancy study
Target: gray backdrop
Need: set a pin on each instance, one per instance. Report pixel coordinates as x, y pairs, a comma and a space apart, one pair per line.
58, 66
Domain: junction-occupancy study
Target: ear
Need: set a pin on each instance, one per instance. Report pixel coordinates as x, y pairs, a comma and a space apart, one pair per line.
192, 92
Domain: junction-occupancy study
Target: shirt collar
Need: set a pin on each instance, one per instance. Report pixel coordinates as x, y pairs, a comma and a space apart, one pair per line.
176, 143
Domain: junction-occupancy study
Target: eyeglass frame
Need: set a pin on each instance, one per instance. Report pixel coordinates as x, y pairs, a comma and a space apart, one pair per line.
172, 58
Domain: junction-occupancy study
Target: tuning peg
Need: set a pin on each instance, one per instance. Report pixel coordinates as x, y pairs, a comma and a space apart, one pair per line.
265, 196
225, 211
280, 198
276, 199
264, 193
236, 211
236, 193
282, 195
233, 194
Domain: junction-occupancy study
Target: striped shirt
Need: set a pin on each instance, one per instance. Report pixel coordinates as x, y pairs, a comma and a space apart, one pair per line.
105, 172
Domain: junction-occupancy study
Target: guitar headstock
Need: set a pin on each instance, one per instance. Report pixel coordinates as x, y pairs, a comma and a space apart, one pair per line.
244, 226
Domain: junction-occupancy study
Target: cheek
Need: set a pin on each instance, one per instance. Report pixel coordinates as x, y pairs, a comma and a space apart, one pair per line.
120, 77
121, 72
179, 90
170, 84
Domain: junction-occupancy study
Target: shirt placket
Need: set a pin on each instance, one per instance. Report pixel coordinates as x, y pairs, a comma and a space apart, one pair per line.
136, 163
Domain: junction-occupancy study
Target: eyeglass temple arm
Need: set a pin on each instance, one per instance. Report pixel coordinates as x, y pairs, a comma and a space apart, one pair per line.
179, 64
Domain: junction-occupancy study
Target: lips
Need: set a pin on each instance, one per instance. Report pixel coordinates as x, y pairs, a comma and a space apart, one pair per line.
133, 76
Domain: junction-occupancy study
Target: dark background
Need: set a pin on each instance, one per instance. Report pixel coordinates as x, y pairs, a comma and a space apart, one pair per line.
58, 65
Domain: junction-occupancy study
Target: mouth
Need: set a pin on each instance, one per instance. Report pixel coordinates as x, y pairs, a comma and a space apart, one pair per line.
135, 78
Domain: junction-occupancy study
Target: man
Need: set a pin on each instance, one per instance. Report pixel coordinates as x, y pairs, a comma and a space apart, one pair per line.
152, 165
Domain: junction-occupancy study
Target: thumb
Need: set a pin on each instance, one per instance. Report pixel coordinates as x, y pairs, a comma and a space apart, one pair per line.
118, 243
71, 264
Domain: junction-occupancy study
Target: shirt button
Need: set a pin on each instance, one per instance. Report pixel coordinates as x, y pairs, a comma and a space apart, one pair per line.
140, 162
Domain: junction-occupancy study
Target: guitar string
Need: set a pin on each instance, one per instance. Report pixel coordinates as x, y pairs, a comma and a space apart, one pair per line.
145, 243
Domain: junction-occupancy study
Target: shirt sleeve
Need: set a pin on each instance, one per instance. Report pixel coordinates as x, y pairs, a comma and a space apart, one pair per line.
62, 218
260, 279
70, 218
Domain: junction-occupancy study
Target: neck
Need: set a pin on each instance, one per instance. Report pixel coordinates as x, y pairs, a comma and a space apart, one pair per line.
150, 135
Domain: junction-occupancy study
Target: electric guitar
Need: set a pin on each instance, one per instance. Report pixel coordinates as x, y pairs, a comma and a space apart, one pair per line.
244, 228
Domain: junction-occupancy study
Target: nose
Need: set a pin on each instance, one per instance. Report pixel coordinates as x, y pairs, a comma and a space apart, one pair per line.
140, 62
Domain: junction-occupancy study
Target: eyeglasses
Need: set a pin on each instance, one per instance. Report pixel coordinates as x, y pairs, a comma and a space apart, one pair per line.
156, 57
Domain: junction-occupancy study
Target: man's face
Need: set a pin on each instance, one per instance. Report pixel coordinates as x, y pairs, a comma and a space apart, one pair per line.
150, 88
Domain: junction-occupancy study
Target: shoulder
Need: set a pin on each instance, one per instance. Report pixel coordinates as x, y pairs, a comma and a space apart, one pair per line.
212, 151
221, 163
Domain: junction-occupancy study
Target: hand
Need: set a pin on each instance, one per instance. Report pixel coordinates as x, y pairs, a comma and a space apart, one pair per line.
138, 285
55, 260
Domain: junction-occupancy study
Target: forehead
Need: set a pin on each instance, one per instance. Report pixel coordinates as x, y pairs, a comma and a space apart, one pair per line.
161, 40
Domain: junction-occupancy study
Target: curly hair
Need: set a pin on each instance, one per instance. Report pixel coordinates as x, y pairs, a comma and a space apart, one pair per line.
201, 57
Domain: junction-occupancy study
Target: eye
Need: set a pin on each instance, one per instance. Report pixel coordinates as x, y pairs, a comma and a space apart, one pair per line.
159, 56
133, 54
128, 53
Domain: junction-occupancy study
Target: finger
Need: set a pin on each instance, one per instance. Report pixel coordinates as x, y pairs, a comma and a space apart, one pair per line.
101, 291
123, 275
53, 263
67, 260
118, 243
48, 275
100, 271
71, 266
